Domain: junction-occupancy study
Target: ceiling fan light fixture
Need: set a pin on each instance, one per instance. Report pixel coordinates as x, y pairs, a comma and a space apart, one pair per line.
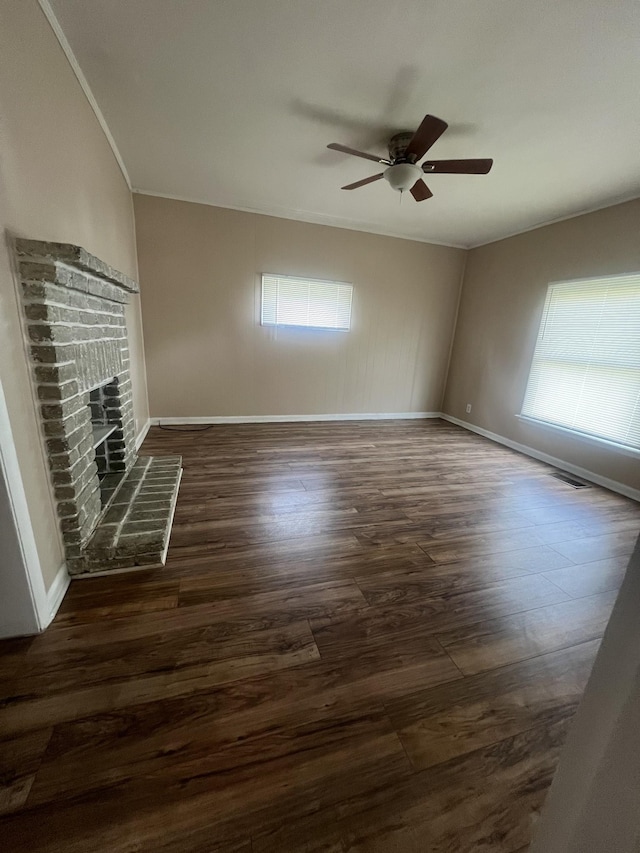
403, 176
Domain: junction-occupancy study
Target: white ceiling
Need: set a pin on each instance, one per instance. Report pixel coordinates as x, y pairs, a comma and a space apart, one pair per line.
232, 102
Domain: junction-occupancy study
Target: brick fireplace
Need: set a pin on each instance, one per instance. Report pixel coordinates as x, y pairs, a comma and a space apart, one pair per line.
115, 508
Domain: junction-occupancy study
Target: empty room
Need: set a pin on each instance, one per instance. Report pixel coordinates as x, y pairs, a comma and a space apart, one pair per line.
319, 426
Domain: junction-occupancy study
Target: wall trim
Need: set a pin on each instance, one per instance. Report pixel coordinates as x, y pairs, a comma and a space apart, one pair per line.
338, 222
77, 70
307, 216
57, 591
585, 438
142, 434
276, 419
622, 200
33, 611
605, 482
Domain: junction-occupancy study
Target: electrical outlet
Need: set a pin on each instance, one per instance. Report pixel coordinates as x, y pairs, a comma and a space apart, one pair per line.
468, 408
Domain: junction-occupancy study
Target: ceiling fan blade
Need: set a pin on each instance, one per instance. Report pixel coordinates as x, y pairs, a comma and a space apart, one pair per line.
335, 146
457, 167
429, 131
363, 182
420, 191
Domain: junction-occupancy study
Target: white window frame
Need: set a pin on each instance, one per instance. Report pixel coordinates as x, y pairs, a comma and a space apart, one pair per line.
624, 449
310, 281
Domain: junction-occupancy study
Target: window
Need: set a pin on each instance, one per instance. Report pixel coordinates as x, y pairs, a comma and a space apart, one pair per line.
290, 301
585, 374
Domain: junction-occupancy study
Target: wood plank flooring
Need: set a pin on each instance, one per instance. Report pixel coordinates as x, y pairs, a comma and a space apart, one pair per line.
370, 637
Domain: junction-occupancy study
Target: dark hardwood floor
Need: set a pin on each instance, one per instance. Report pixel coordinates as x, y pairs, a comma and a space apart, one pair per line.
368, 636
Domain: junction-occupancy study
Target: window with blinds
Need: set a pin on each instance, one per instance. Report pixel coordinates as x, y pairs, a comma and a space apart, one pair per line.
315, 304
585, 374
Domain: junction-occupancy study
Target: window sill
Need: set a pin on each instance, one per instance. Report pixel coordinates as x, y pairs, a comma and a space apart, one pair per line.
304, 328
603, 443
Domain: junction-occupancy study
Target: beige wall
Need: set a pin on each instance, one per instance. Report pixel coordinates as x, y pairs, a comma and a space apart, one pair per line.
59, 181
503, 296
207, 354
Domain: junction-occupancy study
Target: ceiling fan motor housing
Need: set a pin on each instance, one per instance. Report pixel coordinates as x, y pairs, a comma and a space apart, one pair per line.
398, 144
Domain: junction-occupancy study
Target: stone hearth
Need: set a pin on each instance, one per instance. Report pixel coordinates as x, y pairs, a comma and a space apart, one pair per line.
136, 526
115, 508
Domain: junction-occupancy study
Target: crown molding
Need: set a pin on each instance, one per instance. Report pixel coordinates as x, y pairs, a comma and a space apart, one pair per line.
338, 222
621, 200
73, 62
301, 216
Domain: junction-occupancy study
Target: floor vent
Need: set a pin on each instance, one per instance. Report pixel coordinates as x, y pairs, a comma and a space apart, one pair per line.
570, 481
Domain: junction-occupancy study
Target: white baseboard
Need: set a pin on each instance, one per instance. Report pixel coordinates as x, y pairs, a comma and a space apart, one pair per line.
276, 419
605, 482
56, 593
142, 434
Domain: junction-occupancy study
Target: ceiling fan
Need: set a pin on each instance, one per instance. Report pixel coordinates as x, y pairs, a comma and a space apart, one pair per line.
405, 149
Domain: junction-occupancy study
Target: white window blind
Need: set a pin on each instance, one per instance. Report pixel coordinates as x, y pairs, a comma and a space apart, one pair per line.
585, 374
290, 301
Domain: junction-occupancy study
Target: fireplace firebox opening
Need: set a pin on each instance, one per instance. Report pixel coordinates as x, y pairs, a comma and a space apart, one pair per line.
108, 437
